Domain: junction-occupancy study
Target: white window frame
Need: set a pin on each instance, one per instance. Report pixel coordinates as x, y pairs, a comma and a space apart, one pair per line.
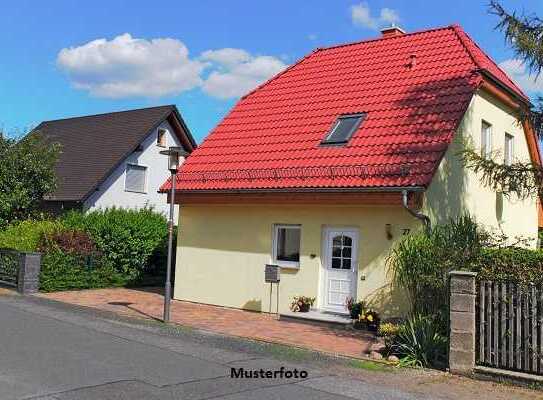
146, 170
164, 132
281, 263
508, 149
486, 139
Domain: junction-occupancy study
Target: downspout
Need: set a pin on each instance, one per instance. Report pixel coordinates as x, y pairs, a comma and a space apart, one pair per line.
420, 216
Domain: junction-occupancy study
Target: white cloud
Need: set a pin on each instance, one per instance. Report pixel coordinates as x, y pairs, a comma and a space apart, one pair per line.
389, 16
131, 67
226, 56
235, 72
361, 16
128, 67
517, 71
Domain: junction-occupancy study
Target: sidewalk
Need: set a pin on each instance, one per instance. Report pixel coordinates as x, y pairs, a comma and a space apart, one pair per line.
148, 303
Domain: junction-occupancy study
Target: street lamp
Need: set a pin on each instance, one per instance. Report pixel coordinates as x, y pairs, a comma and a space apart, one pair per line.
173, 154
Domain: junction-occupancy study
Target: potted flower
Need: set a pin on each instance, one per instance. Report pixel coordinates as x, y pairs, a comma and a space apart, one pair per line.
355, 308
370, 320
302, 303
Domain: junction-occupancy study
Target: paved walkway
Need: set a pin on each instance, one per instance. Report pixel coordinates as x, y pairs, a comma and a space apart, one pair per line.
148, 303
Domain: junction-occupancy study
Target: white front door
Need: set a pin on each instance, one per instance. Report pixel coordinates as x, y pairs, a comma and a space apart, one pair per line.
340, 268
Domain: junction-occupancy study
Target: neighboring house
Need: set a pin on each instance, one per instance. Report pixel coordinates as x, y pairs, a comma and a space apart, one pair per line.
309, 171
113, 160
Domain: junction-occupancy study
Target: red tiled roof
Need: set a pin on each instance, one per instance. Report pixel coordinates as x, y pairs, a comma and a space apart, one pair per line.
271, 138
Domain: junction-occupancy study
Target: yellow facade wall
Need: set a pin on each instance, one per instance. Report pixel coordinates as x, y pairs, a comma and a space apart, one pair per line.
222, 251
456, 189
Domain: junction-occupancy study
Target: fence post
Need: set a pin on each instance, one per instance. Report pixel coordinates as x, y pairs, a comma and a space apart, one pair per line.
462, 329
28, 280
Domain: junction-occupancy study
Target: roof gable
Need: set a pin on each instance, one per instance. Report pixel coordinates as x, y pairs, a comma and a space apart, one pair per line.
93, 146
414, 90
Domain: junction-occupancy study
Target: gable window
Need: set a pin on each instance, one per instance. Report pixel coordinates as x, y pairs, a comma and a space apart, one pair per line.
286, 245
161, 137
508, 149
343, 129
486, 139
136, 177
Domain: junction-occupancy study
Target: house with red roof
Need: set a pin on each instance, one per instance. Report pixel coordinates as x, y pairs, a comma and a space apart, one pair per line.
323, 168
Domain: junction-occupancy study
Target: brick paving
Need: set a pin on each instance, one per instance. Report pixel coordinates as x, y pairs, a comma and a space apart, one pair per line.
148, 303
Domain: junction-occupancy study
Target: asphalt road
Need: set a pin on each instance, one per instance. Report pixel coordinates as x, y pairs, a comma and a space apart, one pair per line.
48, 352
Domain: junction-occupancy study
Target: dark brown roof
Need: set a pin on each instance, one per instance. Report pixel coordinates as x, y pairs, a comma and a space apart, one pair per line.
92, 146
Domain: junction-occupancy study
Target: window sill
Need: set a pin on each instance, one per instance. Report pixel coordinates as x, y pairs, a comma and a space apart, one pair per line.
134, 191
287, 265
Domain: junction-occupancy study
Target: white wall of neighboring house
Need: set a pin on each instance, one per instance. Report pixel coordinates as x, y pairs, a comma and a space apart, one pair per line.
112, 191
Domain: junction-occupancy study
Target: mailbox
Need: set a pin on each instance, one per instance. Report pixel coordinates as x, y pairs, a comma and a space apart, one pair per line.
272, 273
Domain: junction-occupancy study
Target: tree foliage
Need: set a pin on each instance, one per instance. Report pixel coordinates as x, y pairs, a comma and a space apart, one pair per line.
524, 33
26, 175
523, 179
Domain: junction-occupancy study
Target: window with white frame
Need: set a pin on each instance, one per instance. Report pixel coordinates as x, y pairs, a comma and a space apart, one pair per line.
486, 139
136, 177
508, 149
286, 245
161, 137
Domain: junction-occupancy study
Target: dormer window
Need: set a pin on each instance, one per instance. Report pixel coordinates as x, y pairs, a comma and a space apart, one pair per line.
161, 137
343, 129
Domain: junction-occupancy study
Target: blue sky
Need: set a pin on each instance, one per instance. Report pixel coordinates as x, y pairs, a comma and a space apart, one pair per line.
69, 58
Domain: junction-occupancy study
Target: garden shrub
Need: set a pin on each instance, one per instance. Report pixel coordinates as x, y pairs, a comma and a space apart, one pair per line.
68, 241
71, 261
421, 342
510, 264
64, 271
127, 239
421, 261
26, 235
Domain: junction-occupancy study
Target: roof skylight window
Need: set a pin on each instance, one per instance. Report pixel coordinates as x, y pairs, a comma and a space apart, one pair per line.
343, 129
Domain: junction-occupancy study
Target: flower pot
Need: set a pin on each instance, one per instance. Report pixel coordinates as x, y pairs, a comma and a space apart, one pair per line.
305, 307
359, 325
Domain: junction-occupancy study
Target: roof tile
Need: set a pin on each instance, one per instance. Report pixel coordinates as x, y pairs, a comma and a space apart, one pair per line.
272, 138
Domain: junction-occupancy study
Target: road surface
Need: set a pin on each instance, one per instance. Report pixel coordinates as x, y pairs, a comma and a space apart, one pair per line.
50, 351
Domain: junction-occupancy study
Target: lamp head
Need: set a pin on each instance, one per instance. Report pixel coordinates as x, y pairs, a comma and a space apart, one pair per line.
174, 153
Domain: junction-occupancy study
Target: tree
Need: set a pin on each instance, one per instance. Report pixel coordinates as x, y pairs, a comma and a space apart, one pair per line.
26, 175
524, 33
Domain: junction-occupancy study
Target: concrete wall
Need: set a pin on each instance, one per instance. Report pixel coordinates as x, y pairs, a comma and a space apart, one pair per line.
222, 251
112, 191
456, 189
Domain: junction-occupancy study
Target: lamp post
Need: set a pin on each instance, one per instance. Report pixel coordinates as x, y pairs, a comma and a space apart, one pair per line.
173, 154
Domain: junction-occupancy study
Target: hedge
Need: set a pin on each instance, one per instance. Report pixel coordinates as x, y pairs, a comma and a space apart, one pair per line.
124, 245
64, 271
127, 239
510, 264
26, 235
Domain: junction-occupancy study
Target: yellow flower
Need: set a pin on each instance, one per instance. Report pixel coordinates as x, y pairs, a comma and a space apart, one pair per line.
370, 318
362, 317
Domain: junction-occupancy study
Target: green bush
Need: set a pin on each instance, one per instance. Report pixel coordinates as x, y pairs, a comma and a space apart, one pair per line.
64, 271
421, 261
421, 342
510, 264
26, 235
127, 239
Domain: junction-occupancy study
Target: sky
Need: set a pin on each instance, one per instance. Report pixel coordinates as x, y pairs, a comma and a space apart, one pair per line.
70, 58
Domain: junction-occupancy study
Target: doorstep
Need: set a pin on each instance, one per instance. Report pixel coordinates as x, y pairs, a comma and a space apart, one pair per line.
316, 316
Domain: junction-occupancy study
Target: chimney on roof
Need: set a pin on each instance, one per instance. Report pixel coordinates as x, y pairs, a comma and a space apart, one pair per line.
392, 31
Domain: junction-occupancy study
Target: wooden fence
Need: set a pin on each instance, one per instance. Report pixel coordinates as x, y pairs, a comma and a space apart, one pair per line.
509, 326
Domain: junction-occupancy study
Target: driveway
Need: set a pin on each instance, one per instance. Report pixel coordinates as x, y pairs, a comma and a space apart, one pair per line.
51, 351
